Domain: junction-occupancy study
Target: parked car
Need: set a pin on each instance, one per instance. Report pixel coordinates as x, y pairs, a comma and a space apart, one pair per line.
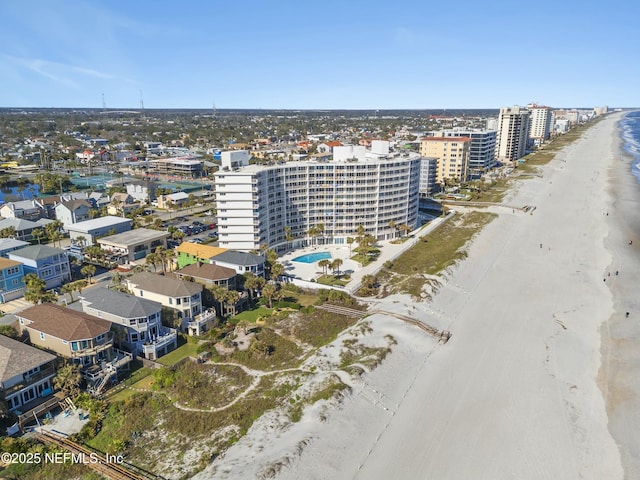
213, 235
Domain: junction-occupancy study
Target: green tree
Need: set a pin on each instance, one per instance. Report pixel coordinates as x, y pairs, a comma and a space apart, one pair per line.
35, 290
68, 380
324, 264
37, 233
336, 264
277, 270
350, 241
269, 292
8, 331
68, 288
88, 271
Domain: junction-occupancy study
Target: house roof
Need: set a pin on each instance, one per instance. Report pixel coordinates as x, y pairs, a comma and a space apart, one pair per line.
18, 223
167, 286
36, 252
119, 303
177, 196
199, 250
9, 243
17, 358
64, 323
239, 258
122, 197
73, 205
445, 139
207, 271
6, 263
132, 237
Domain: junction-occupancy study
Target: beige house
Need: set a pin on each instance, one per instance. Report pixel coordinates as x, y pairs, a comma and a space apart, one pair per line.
121, 204
134, 244
85, 340
452, 155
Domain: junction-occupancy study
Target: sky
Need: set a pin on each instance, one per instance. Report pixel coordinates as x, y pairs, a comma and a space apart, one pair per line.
319, 54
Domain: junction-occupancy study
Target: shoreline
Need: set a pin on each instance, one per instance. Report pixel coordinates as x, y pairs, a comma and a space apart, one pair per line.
620, 344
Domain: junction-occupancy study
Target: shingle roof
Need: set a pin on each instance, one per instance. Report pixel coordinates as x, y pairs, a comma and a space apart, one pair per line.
36, 252
73, 205
198, 250
239, 258
10, 243
170, 287
17, 358
6, 263
207, 271
18, 223
119, 303
64, 323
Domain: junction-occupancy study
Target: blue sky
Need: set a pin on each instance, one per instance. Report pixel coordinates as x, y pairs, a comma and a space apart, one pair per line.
325, 54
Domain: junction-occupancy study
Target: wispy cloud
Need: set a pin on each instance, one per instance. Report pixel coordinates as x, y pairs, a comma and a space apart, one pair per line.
64, 74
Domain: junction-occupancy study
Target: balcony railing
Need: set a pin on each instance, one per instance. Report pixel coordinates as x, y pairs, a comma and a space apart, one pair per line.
95, 372
167, 337
202, 318
31, 379
106, 344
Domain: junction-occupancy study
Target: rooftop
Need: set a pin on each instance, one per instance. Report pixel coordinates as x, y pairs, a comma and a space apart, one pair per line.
17, 358
37, 252
119, 303
132, 237
64, 323
207, 271
239, 258
6, 263
167, 286
200, 251
96, 223
75, 204
9, 243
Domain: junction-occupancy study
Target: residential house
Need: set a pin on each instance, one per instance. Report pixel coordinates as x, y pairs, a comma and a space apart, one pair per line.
85, 340
26, 374
11, 280
190, 253
241, 262
209, 274
73, 211
134, 244
9, 245
26, 209
144, 192
327, 147
122, 204
173, 200
49, 263
24, 228
139, 320
89, 230
183, 297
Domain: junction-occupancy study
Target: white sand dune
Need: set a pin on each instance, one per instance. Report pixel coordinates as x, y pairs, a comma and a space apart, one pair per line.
514, 394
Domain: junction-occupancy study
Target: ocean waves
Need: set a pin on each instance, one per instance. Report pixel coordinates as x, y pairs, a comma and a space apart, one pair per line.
630, 133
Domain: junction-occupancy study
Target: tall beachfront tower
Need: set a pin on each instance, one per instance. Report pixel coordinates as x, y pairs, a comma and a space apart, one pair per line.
482, 149
452, 155
513, 133
540, 125
277, 205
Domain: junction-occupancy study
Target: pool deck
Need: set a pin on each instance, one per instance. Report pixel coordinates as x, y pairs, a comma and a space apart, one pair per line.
309, 271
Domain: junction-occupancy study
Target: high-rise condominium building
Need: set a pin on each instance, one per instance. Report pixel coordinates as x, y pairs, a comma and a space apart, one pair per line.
540, 125
513, 133
277, 205
482, 148
428, 174
452, 155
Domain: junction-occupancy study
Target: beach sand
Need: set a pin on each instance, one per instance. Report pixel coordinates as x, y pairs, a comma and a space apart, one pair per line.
621, 335
517, 393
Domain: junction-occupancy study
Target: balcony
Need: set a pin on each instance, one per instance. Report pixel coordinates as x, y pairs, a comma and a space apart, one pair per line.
31, 379
167, 337
93, 373
94, 349
197, 325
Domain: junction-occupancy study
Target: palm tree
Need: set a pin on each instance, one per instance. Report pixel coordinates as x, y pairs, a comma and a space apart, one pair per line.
269, 292
151, 259
78, 285
392, 226
231, 299
81, 239
35, 290
277, 270
252, 283
88, 271
69, 289
320, 233
68, 380
287, 236
312, 232
336, 264
350, 241
405, 228
37, 233
324, 264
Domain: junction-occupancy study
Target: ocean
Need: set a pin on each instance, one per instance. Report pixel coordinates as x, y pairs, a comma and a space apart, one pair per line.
630, 127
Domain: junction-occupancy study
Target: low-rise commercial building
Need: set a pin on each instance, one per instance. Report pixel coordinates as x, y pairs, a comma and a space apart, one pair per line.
134, 244
89, 230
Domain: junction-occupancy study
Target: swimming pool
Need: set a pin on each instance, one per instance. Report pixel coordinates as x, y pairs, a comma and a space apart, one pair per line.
312, 257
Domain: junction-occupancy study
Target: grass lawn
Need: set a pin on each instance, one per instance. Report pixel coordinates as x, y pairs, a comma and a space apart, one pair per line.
252, 315
186, 350
331, 280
